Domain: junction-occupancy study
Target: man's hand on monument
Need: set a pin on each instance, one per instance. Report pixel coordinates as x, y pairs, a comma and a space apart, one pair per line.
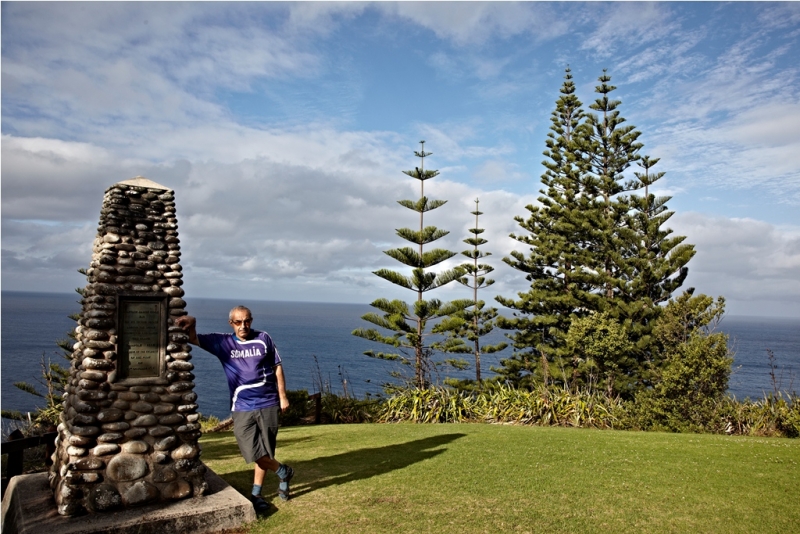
186, 322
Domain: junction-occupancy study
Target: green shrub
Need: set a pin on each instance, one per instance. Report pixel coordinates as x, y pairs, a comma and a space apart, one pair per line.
503, 404
336, 409
773, 415
207, 422
430, 405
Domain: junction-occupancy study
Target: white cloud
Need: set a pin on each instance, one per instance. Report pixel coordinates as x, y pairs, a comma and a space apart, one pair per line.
499, 171
292, 215
629, 24
753, 264
469, 23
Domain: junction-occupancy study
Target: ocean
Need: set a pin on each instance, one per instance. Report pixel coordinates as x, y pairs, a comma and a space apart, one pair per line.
316, 345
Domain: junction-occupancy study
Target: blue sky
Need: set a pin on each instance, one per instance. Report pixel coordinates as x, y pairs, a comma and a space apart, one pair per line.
284, 128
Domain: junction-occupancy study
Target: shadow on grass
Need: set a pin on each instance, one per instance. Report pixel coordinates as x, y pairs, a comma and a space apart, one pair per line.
325, 471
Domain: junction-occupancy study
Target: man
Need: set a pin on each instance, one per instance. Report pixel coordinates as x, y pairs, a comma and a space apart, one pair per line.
257, 387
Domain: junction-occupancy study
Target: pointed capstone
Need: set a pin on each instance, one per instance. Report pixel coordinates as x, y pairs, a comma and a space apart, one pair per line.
141, 181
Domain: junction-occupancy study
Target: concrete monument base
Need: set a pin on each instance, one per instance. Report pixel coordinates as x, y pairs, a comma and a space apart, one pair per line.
29, 508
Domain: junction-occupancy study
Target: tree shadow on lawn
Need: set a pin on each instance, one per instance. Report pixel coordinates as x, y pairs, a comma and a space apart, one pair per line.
349, 466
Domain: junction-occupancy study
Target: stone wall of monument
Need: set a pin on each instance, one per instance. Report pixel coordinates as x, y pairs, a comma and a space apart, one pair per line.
129, 430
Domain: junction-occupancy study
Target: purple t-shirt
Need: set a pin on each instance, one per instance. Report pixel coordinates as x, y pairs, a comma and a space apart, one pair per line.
249, 366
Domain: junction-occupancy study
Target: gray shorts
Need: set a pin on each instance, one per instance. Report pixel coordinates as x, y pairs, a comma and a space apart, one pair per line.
256, 432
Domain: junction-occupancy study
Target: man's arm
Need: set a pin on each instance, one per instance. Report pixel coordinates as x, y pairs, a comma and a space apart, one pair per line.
188, 323
281, 387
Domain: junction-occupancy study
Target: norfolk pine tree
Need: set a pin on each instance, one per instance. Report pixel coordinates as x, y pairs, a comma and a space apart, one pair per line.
409, 327
557, 234
636, 267
478, 322
658, 264
595, 249
611, 146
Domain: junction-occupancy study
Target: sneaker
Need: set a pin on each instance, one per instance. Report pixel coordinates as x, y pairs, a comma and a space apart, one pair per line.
283, 487
259, 504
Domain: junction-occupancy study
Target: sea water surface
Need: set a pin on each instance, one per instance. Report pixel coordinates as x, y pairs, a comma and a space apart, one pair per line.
317, 347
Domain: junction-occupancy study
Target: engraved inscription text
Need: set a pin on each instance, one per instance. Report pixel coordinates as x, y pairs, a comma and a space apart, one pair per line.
141, 339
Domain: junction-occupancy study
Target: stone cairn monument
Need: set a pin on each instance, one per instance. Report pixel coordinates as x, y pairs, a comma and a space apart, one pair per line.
129, 430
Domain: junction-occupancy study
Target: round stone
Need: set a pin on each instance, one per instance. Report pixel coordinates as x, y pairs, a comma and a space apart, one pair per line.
87, 464
166, 444
161, 409
145, 420
105, 448
172, 419
135, 447
109, 437
177, 489
97, 376
76, 451
79, 441
126, 467
174, 291
88, 384
134, 433
85, 430
91, 394
183, 465
185, 452
82, 419
109, 415
92, 363
141, 407
84, 407
180, 386
119, 426
96, 335
158, 431
179, 365
166, 474
139, 493
151, 398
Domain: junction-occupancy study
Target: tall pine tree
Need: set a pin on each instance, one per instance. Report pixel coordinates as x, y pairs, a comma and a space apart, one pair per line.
410, 325
596, 248
478, 321
557, 233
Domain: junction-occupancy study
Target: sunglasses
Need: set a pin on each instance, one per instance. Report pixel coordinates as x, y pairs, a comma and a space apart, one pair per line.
237, 322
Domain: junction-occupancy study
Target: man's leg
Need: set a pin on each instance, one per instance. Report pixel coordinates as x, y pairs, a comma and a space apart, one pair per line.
284, 472
264, 464
246, 428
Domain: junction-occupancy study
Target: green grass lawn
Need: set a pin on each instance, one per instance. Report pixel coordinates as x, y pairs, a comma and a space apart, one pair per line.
493, 478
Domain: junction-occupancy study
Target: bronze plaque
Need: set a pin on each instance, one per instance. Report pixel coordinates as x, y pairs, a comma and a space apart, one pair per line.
143, 328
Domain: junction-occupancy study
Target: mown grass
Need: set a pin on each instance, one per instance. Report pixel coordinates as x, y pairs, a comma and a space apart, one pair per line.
489, 478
